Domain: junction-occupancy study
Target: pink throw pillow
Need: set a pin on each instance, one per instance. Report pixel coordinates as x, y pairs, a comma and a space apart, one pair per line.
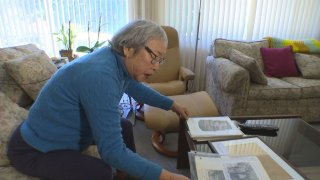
279, 62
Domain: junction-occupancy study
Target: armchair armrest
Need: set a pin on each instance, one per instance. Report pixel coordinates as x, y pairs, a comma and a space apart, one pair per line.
186, 74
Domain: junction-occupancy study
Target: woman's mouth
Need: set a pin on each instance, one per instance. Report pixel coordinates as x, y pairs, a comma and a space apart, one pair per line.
147, 75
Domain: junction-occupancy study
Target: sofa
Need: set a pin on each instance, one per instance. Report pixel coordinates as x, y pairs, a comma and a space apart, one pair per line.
237, 82
23, 71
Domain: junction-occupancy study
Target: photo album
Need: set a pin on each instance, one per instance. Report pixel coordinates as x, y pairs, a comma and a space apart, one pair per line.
212, 128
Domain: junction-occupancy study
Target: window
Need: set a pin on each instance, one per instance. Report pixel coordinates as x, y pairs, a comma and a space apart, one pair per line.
34, 21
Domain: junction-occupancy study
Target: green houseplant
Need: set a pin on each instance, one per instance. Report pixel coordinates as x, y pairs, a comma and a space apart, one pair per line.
67, 37
97, 44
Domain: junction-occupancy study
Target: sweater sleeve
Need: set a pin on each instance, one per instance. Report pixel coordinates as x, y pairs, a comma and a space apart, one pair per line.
145, 94
99, 96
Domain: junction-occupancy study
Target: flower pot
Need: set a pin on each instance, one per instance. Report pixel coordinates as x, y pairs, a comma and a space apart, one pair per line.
67, 53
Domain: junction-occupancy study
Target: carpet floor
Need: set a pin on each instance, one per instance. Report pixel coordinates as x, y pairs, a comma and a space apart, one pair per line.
142, 136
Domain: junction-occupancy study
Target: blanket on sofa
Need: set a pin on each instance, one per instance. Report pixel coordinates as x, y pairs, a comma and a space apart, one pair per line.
299, 46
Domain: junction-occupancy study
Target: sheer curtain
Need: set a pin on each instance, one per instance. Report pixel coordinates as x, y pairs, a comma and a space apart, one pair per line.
245, 20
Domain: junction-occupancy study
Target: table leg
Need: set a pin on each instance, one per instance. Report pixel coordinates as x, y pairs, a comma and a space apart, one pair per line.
183, 148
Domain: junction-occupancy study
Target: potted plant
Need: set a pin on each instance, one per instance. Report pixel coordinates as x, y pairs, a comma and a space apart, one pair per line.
67, 37
97, 44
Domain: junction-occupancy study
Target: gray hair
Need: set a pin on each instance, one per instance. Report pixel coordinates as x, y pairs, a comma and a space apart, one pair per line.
136, 34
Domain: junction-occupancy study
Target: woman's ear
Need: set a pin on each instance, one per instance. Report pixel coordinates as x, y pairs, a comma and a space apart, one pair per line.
128, 52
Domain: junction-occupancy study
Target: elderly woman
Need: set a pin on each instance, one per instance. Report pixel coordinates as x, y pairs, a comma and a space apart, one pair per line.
78, 106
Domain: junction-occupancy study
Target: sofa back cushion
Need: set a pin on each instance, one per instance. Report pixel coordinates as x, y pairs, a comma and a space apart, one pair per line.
7, 84
255, 72
252, 49
279, 62
308, 65
11, 115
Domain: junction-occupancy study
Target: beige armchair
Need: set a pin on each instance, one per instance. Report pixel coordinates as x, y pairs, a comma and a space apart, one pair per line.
171, 78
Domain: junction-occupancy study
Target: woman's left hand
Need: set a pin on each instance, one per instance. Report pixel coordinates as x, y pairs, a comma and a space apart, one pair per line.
180, 110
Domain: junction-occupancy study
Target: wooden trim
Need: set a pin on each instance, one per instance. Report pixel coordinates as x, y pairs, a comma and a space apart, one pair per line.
157, 139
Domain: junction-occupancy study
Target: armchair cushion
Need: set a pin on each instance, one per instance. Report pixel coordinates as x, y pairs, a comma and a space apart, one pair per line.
198, 103
279, 62
256, 74
308, 65
11, 115
31, 72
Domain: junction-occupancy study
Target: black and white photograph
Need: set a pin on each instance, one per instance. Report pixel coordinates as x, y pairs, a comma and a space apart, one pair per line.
240, 171
210, 125
229, 168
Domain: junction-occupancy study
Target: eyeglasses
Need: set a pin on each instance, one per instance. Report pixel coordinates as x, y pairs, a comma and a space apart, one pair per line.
155, 58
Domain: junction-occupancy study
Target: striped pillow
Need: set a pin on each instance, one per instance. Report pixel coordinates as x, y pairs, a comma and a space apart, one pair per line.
299, 46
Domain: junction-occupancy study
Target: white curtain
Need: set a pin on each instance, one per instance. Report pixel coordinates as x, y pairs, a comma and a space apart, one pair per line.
293, 19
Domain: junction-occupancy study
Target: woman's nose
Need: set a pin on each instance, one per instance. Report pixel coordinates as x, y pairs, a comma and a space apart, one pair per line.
155, 66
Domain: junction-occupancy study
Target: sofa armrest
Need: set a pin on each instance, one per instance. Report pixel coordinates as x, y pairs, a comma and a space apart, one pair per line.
229, 76
186, 74
227, 84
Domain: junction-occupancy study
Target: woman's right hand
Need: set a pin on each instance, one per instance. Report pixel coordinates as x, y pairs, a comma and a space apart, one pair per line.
166, 175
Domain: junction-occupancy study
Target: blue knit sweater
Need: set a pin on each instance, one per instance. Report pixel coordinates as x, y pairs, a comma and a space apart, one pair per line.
79, 106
